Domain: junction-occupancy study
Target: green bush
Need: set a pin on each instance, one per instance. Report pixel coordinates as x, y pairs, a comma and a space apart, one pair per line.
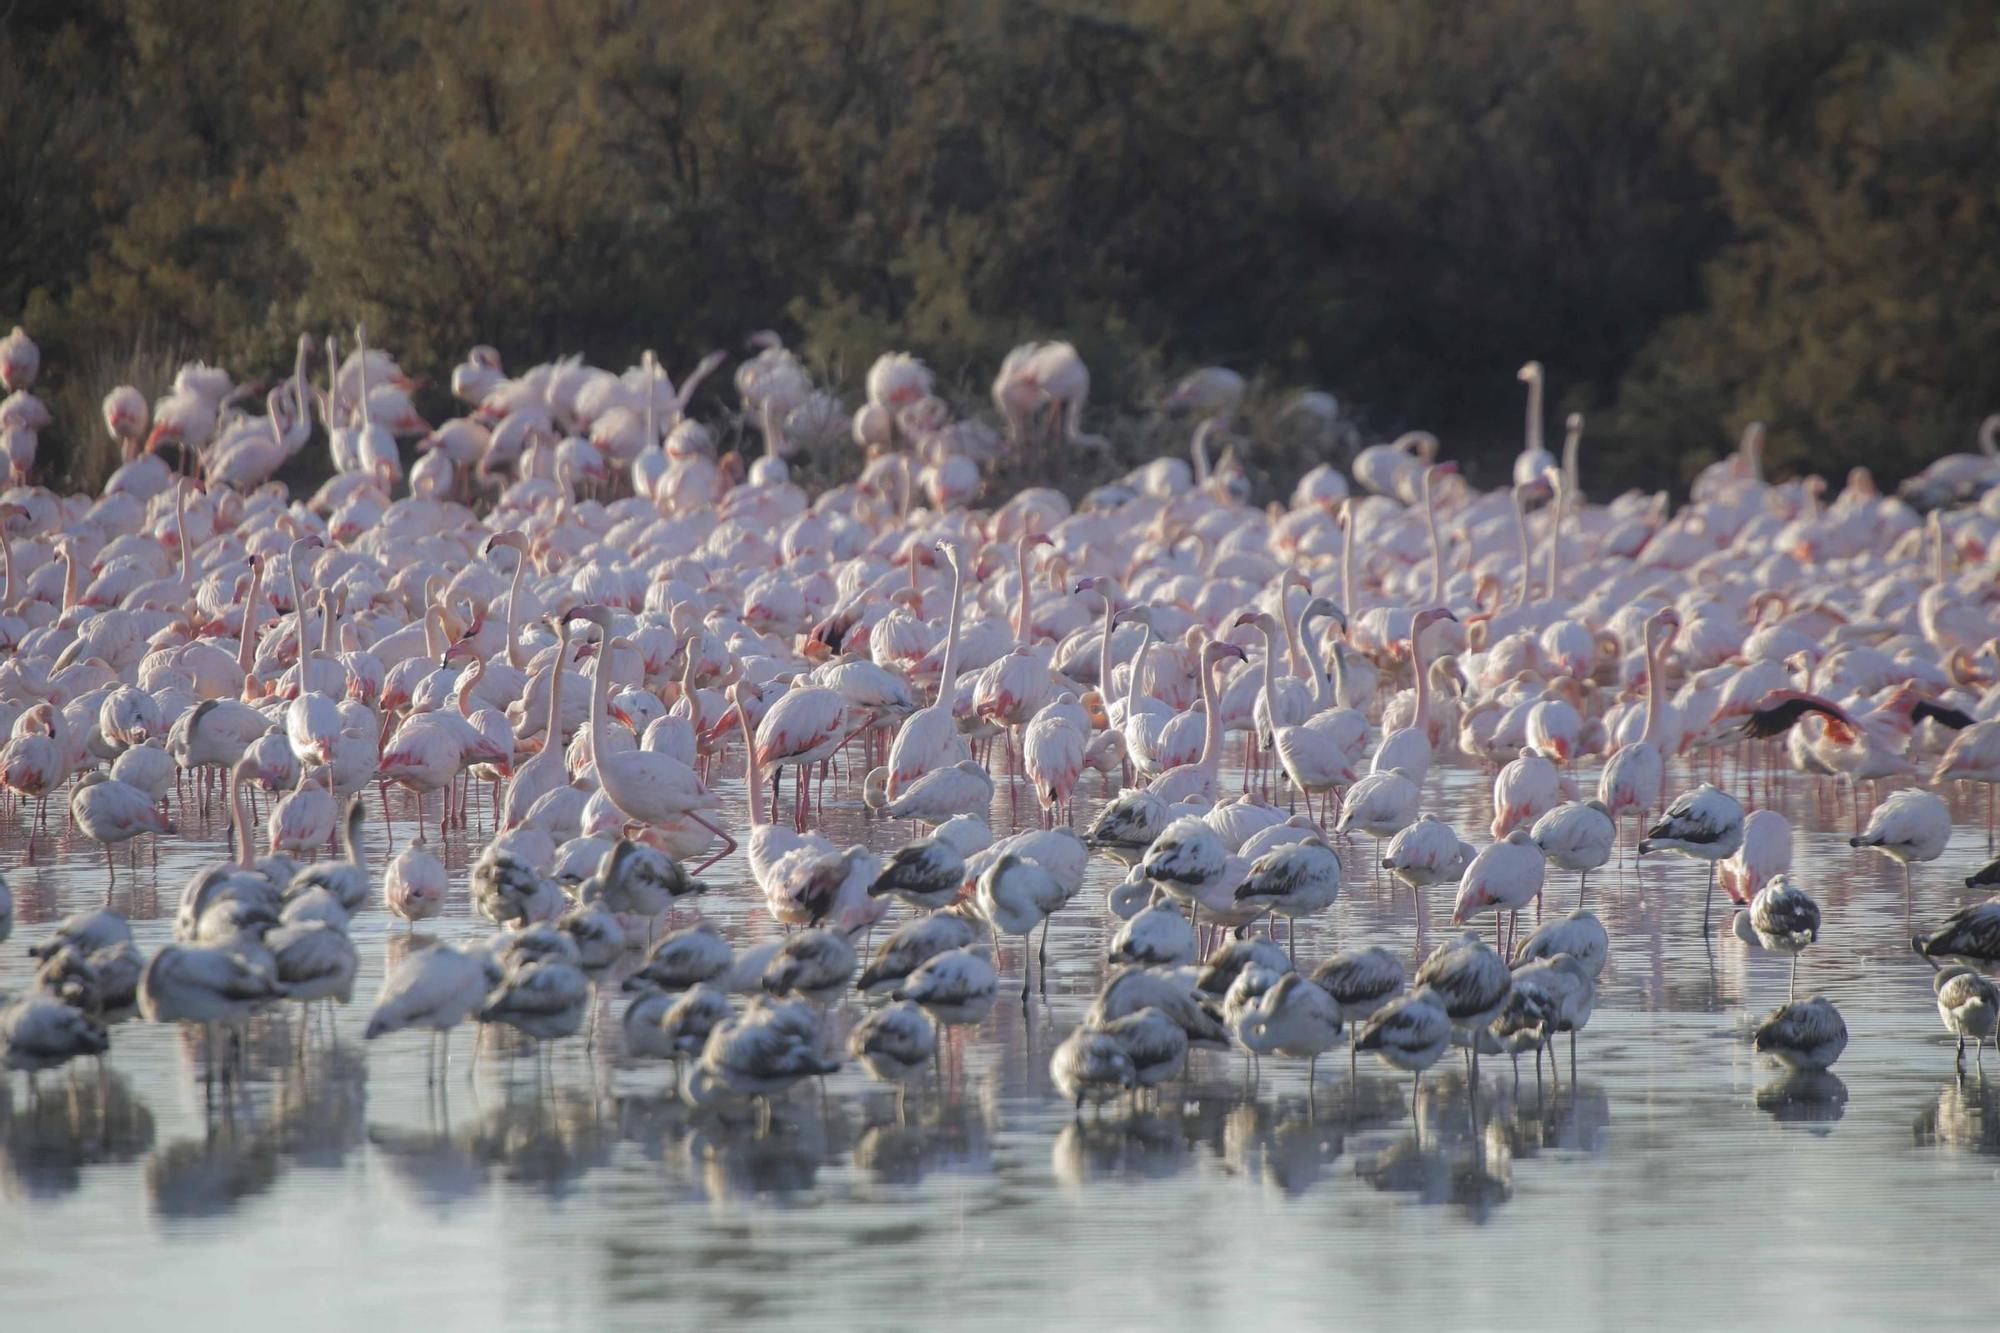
1694, 212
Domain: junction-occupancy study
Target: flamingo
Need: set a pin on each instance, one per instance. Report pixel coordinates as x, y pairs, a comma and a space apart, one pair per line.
1525, 790
1803, 1034
929, 738
544, 771
1409, 748
759, 1054
1782, 918
646, 788
1974, 756
1632, 779
1505, 877
1577, 835
38, 1033
805, 726
1297, 880
1015, 895
1969, 1006
1912, 825
1765, 854
1409, 1033
414, 883
1198, 780
1705, 824
109, 811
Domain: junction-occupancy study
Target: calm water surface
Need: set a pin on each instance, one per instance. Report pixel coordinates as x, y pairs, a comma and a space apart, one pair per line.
1683, 1180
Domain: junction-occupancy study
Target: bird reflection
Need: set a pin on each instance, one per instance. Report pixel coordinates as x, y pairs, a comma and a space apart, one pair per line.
1142, 1146
547, 1141
929, 1137
1804, 1097
1965, 1115
210, 1176
319, 1106
734, 1160
1569, 1118
47, 1141
1433, 1173
436, 1168
1288, 1146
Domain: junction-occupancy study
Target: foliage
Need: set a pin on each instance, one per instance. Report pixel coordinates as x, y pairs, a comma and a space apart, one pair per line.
1692, 211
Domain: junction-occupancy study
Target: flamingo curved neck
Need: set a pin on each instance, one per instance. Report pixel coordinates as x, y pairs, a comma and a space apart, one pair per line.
246, 650
688, 691
1521, 539
1271, 676
350, 841
1211, 736
299, 621
1423, 719
1293, 664
1321, 691
1104, 648
600, 699
1199, 449
1534, 432
332, 384
1347, 559
239, 813
7, 556
470, 683
753, 778
1138, 667
948, 673
434, 644
302, 414
180, 528
1021, 604
515, 653
1437, 544
1556, 508
652, 380
361, 358
555, 740
1656, 647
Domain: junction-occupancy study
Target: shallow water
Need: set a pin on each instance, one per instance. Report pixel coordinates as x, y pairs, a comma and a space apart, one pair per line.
1681, 1180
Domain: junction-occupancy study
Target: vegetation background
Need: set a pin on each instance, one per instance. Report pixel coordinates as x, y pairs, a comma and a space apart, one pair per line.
1695, 212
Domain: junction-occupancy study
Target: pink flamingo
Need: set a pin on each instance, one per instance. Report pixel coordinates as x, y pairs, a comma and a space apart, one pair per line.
1506, 877
110, 811
1632, 780
1198, 780
646, 788
1409, 748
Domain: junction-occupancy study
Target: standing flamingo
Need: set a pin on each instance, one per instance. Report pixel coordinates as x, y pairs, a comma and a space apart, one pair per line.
1912, 825
1632, 781
1409, 748
1705, 824
645, 787
1198, 780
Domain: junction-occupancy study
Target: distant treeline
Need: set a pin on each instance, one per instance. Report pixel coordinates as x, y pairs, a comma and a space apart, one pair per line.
1694, 212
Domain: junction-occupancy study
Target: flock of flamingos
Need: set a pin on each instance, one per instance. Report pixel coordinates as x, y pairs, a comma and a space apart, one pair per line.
579, 609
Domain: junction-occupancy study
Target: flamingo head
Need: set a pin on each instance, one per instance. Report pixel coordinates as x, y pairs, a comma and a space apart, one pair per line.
1425, 619
1262, 620
1470, 900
